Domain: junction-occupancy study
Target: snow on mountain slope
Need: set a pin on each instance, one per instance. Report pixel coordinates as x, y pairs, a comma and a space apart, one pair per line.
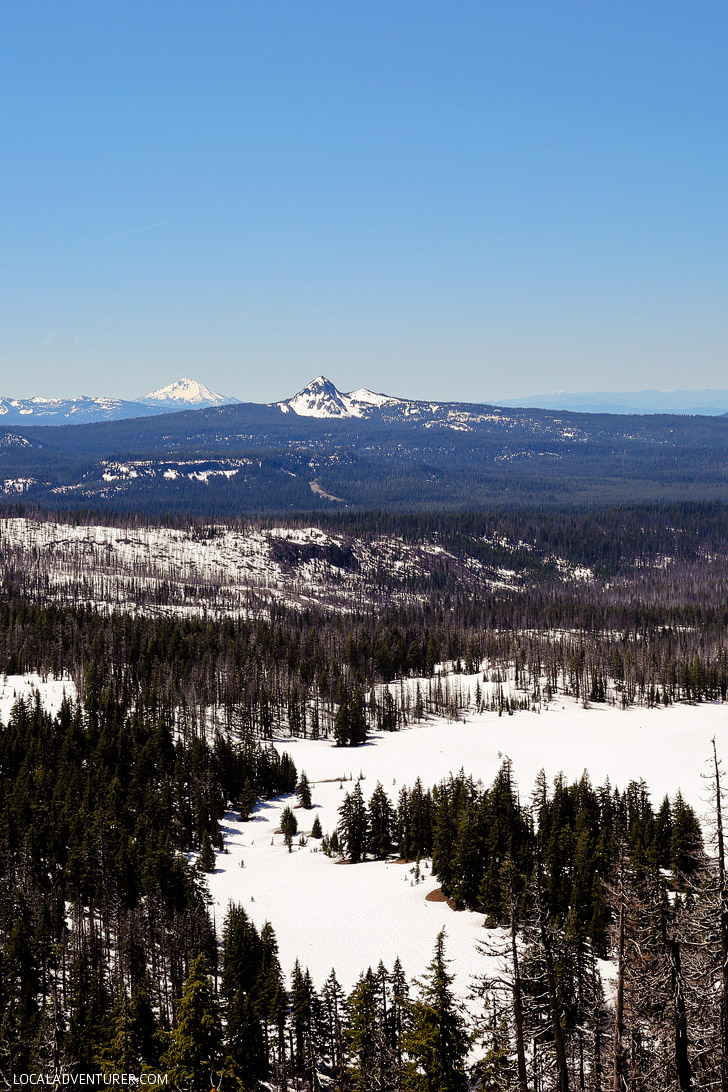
184, 394
68, 411
187, 392
370, 398
221, 570
320, 398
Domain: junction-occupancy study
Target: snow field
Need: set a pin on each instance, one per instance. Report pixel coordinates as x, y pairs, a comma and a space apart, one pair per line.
25, 687
326, 913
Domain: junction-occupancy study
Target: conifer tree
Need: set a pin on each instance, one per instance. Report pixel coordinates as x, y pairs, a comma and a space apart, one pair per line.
354, 825
194, 1054
333, 1002
399, 1010
361, 1030
132, 1043
246, 1059
289, 826
206, 859
381, 824
306, 1020
303, 791
436, 1042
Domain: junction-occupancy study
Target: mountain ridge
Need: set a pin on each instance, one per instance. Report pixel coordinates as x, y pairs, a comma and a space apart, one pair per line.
184, 394
322, 399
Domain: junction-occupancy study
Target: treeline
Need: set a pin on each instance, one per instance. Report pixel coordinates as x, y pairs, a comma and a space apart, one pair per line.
242, 1028
578, 876
98, 807
294, 671
485, 843
504, 458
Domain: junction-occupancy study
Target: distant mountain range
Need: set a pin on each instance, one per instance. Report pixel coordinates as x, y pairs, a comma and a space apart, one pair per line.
708, 402
321, 398
185, 394
326, 449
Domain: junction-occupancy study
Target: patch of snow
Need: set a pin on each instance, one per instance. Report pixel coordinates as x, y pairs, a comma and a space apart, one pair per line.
26, 687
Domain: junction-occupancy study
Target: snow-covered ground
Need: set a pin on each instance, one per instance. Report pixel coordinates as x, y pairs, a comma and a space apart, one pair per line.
326, 913
219, 570
26, 687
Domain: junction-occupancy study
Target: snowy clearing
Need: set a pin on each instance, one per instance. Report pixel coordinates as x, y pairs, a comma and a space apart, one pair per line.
326, 913
25, 687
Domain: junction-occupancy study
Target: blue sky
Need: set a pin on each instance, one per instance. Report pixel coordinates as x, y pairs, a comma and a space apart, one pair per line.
470, 200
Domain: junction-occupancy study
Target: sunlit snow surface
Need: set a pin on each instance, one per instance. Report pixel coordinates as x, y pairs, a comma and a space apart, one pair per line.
216, 571
25, 687
328, 914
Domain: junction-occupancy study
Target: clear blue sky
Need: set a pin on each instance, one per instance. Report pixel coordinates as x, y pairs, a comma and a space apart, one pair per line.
466, 200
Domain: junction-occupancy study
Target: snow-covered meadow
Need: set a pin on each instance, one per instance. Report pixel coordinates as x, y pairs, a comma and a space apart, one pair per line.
327, 913
27, 687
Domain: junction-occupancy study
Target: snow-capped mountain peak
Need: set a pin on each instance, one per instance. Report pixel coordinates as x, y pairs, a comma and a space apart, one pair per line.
320, 398
188, 392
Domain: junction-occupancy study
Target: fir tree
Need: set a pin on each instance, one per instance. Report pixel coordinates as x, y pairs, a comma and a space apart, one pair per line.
436, 1041
194, 1053
303, 791
354, 825
381, 824
289, 826
206, 859
361, 1030
333, 1001
132, 1044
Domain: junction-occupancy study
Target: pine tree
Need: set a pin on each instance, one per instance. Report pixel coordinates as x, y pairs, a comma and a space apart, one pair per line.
206, 859
247, 800
436, 1042
306, 1020
381, 824
354, 825
316, 831
132, 1043
399, 1010
361, 1029
303, 791
243, 981
194, 1053
289, 826
357, 719
333, 1002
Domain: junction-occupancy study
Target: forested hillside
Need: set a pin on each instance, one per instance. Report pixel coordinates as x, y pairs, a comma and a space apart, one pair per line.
233, 460
285, 621
197, 655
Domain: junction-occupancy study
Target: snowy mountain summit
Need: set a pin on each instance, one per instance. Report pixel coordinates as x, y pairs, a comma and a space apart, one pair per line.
185, 392
320, 398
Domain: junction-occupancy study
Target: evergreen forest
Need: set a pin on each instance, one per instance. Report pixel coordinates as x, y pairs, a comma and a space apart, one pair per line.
603, 959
